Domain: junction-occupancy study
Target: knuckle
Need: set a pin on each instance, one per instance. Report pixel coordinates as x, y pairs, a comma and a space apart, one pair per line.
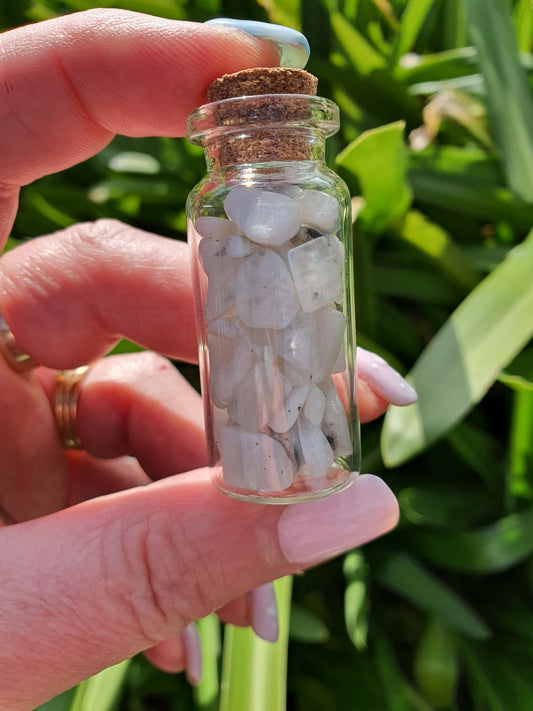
157, 569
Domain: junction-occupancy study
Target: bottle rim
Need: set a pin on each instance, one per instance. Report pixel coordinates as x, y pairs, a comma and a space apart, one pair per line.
275, 111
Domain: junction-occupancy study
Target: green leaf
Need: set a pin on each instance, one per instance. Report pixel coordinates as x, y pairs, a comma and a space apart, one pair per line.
356, 602
467, 182
392, 680
409, 579
465, 357
362, 55
254, 671
481, 451
378, 159
520, 471
306, 626
509, 100
59, 703
436, 668
102, 691
206, 694
502, 675
413, 18
438, 506
12, 243
491, 549
432, 241
523, 20
519, 374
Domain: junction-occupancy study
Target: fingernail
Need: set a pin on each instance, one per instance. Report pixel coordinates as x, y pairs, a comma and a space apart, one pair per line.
265, 612
193, 654
386, 381
293, 46
318, 530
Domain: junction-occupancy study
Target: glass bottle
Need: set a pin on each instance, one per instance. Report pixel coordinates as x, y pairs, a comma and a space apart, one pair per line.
269, 229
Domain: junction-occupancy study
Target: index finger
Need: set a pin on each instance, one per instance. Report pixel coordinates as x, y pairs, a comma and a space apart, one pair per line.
68, 85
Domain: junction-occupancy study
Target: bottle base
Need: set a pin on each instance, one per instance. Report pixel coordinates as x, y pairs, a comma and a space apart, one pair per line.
302, 489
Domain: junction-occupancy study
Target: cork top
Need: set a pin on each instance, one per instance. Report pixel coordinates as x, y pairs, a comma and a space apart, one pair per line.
262, 80
267, 91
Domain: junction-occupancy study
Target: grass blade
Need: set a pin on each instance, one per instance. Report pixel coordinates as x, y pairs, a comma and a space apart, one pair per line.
520, 474
509, 100
463, 360
431, 240
409, 579
101, 692
467, 182
491, 549
413, 18
362, 55
206, 693
436, 667
523, 20
519, 374
253, 671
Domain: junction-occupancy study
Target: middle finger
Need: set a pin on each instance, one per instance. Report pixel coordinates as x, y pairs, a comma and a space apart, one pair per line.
70, 296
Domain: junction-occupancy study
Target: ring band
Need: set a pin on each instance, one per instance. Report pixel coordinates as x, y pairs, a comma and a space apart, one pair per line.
67, 392
16, 358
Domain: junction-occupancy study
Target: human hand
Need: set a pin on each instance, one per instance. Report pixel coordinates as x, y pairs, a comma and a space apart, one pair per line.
99, 567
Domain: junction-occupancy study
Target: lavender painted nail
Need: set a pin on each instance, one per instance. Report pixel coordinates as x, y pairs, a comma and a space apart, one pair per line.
193, 654
318, 530
386, 381
293, 46
265, 612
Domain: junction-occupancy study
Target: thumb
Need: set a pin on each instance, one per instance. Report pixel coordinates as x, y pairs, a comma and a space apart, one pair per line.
94, 584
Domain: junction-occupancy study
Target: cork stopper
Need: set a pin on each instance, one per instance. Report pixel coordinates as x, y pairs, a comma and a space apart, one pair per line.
262, 80
267, 108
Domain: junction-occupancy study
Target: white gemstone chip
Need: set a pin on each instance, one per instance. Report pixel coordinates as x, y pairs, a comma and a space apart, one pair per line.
316, 450
287, 413
254, 461
220, 298
335, 422
238, 246
215, 227
315, 405
319, 209
265, 217
316, 267
311, 342
264, 292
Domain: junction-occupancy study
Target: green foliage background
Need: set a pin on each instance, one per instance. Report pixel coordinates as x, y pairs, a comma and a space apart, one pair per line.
436, 146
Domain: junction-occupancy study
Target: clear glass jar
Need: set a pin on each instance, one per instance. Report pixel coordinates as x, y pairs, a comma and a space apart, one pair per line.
269, 229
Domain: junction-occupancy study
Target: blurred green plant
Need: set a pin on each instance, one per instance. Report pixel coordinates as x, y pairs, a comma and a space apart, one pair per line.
436, 146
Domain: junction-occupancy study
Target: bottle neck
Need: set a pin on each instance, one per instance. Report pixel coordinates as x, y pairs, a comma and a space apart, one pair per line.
263, 129
264, 145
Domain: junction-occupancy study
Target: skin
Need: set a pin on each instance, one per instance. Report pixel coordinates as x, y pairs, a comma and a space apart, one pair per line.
104, 553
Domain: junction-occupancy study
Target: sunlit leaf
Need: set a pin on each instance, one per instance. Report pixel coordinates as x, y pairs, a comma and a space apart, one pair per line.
254, 672
378, 159
102, 691
509, 99
413, 18
465, 357
431, 240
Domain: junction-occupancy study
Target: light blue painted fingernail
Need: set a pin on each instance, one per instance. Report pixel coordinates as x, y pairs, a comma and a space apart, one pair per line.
293, 46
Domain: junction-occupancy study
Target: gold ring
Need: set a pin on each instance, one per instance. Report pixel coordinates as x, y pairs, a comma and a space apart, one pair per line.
13, 355
66, 396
